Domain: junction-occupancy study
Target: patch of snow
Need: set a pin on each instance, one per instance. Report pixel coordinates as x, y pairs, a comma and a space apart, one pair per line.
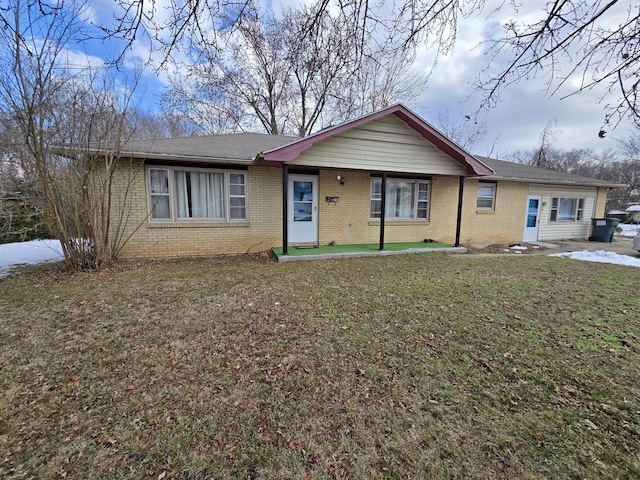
28, 253
633, 208
518, 247
616, 212
628, 230
601, 256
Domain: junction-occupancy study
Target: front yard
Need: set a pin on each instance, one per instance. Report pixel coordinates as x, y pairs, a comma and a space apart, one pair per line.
416, 366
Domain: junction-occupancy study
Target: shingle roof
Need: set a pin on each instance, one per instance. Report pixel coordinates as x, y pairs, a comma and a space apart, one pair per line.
243, 148
234, 147
518, 172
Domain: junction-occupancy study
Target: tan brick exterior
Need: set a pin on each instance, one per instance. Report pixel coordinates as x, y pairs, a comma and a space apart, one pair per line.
601, 202
345, 222
503, 224
262, 231
348, 221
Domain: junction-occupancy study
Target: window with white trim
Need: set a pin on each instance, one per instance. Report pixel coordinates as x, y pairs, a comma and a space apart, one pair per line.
486, 196
566, 209
178, 194
405, 199
159, 192
580, 210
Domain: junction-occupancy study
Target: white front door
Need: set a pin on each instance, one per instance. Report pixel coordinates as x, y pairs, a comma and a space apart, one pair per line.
303, 209
532, 220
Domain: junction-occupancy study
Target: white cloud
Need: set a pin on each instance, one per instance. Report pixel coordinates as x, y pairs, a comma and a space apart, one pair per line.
516, 122
524, 108
81, 60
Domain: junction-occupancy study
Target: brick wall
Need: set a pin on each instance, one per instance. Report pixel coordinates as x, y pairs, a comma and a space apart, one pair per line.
503, 224
345, 222
348, 221
601, 203
262, 231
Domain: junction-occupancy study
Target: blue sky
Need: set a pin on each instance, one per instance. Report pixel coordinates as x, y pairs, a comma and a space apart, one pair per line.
516, 122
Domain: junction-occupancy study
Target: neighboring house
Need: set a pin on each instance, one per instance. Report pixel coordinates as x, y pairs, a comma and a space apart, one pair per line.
617, 214
633, 213
384, 177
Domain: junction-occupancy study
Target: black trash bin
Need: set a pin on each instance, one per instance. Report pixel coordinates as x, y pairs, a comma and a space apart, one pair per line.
602, 229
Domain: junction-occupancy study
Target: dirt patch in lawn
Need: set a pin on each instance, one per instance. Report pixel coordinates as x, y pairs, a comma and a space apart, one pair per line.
507, 248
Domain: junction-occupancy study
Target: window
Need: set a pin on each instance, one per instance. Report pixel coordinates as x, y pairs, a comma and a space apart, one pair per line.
178, 195
566, 209
159, 190
200, 194
237, 196
405, 199
580, 211
486, 196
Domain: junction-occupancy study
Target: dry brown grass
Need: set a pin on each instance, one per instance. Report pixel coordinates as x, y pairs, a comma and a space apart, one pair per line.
420, 366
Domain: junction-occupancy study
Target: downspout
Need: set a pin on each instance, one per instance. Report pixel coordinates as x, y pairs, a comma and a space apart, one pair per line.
459, 219
285, 211
384, 206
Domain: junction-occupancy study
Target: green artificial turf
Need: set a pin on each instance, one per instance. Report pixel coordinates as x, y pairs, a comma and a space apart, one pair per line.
358, 248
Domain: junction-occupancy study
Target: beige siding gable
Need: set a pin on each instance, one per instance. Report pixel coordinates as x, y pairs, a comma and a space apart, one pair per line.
386, 144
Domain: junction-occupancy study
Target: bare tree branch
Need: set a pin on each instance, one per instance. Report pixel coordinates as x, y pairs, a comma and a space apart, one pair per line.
580, 35
293, 75
52, 103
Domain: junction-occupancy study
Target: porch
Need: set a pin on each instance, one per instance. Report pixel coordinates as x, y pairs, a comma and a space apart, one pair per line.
325, 252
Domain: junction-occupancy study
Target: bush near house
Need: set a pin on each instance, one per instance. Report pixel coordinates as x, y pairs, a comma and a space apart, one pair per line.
417, 366
21, 216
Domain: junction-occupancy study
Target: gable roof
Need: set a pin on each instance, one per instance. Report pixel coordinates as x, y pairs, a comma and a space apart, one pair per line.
231, 148
291, 151
518, 172
246, 148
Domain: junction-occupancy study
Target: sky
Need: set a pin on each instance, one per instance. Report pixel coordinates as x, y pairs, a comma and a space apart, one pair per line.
515, 123
526, 108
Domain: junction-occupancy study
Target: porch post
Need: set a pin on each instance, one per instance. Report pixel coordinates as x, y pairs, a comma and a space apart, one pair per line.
285, 211
459, 219
384, 205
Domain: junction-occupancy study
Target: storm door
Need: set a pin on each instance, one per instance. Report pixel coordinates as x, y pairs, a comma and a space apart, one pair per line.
303, 209
532, 221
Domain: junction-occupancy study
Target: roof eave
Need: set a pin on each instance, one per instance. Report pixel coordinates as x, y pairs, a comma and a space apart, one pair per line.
558, 182
187, 158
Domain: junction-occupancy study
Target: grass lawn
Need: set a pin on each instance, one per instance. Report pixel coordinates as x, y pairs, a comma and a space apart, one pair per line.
412, 366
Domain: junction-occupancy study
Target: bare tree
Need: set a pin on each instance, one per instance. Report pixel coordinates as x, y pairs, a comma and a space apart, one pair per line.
206, 22
543, 156
584, 34
151, 124
574, 41
621, 166
290, 75
626, 169
54, 103
630, 147
464, 131
234, 90
92, 119
21, 207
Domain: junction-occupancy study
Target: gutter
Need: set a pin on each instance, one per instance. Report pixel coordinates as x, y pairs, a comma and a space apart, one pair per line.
556, 182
